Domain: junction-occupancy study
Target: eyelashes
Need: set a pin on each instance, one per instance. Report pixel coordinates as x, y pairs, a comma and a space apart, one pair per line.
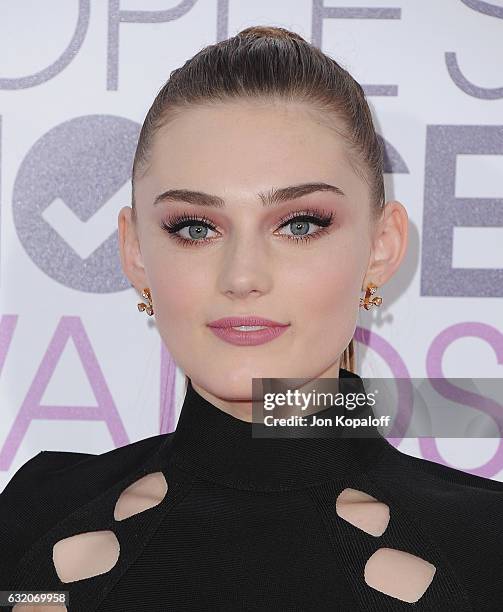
175, 224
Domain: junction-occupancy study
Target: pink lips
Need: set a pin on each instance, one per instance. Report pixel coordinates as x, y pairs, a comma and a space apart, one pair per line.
223, 328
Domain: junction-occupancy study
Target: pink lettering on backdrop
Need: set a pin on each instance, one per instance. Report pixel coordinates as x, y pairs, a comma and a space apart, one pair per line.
106, 410
31, 409
7, 326
401, 374
494, 338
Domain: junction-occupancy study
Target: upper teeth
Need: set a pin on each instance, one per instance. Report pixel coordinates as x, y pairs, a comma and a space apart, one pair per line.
250, 327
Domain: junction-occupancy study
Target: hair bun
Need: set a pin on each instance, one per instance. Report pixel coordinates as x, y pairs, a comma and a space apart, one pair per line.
260, 31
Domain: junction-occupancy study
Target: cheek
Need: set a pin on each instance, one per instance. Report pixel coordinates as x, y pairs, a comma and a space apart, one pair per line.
325, 298
178, 304
329, 304
180, 292
328, 283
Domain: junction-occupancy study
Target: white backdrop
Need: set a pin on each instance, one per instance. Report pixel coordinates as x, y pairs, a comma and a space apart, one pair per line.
80, 368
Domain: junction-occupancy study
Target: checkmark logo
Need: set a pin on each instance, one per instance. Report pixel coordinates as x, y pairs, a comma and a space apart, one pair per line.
66, 199
84, 237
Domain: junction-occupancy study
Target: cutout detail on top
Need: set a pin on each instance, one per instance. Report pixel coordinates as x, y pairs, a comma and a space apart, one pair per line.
363, 511
85, 555
144, 493
399, 574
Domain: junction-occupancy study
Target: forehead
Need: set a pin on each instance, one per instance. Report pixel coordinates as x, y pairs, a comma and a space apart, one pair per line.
250, 146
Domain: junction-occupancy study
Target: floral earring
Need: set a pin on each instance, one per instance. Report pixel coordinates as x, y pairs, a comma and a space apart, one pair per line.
367, 302
147, 307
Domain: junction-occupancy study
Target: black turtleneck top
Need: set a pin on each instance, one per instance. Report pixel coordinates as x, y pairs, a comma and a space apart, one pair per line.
252, 524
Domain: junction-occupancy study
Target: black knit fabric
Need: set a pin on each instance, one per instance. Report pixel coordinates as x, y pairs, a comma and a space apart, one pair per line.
250, 523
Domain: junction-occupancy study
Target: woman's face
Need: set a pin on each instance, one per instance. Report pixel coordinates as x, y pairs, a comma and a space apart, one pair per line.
252, 259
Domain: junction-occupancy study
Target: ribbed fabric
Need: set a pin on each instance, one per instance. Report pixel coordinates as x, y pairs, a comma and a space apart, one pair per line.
214, 444
250, 523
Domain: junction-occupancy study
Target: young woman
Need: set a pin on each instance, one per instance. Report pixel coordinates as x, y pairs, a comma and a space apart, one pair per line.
258, 201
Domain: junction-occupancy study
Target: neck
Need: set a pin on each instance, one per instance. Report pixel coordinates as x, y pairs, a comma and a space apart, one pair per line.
215, 445
242, 409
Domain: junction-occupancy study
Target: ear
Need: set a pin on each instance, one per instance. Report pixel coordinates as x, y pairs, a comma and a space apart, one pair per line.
129, 249
389, 244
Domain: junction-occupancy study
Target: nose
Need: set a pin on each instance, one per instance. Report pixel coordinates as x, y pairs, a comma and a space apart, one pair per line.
245, 268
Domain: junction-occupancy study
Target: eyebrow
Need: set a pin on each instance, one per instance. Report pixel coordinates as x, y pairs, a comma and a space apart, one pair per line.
271, 198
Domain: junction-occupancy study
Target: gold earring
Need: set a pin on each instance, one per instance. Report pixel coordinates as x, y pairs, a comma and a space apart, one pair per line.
367, 301
148, 307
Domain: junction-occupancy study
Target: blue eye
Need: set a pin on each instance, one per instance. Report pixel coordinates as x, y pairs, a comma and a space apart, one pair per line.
198, 227
301, 223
